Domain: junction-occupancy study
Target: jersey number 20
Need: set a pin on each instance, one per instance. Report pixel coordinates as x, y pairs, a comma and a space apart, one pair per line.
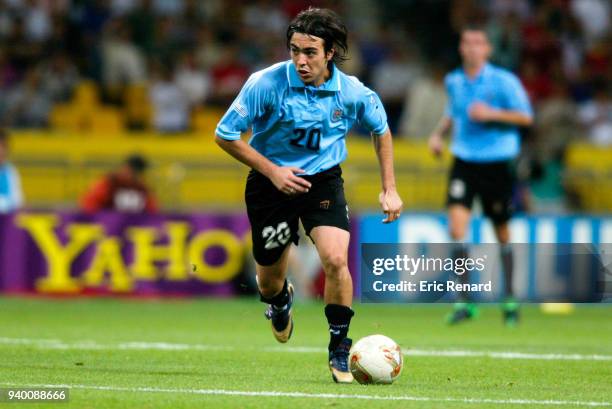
312, 136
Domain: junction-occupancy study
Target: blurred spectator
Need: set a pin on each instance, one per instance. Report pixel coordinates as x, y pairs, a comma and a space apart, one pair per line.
537, 83
264, 15
555, 123
505, 37
424, 104
228, 75
123, 62
594, 17
391, 79
28, 104
208, 52
193, 82
142, 22
170, 104
59, 77
37, 21
503, 8
596, 115
8, 73
124, 190
11, 196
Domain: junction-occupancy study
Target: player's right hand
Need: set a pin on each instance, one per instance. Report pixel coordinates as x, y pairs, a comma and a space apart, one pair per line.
285, 180
436, 144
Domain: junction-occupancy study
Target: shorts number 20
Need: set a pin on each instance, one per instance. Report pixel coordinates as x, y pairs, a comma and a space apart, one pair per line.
276, 236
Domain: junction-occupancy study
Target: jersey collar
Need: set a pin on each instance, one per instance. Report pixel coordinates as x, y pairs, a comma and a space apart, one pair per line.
332, 84
482, 74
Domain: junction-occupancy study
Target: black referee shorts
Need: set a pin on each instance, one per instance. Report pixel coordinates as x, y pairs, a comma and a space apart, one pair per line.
492, 182
274, 216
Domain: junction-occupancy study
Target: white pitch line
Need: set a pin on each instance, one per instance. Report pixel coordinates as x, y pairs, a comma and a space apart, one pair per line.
167, 346
225, 392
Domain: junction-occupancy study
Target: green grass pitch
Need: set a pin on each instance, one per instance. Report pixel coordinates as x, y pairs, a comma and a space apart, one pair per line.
211, 353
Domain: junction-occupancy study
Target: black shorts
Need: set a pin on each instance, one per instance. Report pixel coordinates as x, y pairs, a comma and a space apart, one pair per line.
274, 215
493, 182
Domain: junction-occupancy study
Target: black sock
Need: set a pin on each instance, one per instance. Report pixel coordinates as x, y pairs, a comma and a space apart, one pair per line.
508, 266
339, 319
279, 300
460, 251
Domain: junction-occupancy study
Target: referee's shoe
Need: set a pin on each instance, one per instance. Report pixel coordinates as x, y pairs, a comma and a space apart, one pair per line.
281, 318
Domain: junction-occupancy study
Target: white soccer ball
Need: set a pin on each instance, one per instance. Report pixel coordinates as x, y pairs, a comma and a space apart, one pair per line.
376, 359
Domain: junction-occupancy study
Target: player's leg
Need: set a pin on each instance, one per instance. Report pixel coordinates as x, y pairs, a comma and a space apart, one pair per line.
277, 292
459, 200
332, 244
497, 205
326, 221
274, 224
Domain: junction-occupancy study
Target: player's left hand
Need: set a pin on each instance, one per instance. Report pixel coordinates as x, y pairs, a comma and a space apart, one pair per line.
481, 112
391, 204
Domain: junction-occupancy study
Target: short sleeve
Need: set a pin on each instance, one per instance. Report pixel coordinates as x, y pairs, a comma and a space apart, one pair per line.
515, 96
371, 112
251, 103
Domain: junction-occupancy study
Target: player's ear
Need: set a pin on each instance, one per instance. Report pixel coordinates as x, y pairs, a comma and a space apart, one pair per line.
330, 54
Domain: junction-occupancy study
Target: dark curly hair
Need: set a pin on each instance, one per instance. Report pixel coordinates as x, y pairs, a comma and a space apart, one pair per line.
325, 24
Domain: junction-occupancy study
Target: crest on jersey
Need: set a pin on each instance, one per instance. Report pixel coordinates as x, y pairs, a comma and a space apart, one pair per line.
337, 115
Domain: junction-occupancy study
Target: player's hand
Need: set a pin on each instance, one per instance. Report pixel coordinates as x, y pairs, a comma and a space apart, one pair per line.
391, 204
285, 180
436, 144
481, 112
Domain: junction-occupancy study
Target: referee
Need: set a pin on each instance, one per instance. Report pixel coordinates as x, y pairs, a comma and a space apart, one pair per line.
486, 107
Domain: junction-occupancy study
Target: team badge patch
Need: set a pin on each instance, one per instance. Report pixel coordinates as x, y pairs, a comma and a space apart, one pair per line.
337, 115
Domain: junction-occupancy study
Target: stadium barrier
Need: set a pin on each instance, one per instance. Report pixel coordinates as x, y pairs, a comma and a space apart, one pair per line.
71, 253
209, 254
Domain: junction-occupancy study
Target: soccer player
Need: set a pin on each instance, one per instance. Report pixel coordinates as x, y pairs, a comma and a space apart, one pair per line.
11, 196
300, 112
486, 106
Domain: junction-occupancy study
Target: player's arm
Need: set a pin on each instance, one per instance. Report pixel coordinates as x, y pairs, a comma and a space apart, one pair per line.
283, 177
252, 103
481, 112
389, 198
515, 109
373, 116
436, 138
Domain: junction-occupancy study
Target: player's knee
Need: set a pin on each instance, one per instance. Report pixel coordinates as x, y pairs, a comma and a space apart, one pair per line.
333, 264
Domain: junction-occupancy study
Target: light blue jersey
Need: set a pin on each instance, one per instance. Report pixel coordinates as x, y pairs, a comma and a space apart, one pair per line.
301, 125
10, 189
477, 141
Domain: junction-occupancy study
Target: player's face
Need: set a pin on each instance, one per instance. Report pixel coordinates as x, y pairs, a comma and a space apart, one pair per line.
309, 58
474, 48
